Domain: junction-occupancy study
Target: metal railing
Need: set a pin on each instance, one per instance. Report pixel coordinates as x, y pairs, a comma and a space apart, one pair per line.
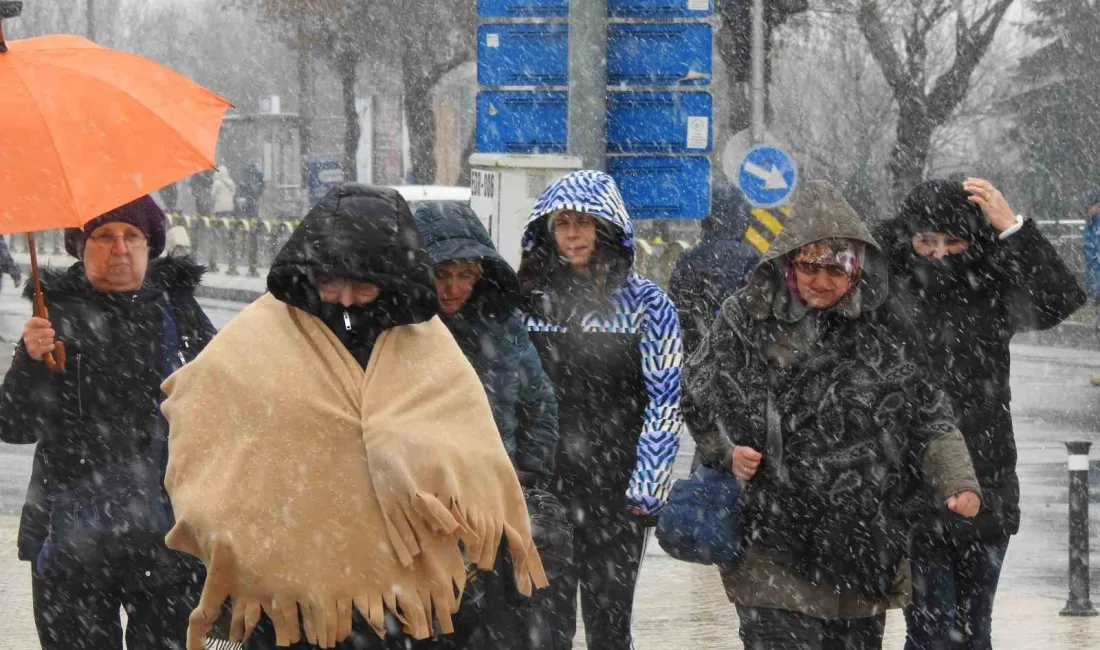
225, 245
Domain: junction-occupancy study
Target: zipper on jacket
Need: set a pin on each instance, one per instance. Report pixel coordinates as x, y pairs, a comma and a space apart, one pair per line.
347, 321
185, 342
79, 386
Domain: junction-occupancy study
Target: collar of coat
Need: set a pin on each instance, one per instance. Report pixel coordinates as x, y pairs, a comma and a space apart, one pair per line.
165, 274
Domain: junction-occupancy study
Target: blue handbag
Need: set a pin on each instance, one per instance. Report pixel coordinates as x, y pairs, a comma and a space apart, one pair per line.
700, 521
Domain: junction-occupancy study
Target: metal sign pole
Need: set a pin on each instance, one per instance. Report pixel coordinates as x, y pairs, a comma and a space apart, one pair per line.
588, 82
758, 81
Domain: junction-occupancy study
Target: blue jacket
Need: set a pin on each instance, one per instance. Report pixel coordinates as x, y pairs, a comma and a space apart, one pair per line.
611, 344
1091, 241
490, 331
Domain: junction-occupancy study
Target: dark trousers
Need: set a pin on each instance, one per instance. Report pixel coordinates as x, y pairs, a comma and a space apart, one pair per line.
83, 613
766, 628
954, 583
608, 542
363, 637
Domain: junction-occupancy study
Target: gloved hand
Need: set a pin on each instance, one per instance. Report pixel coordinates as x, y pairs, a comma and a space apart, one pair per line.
645, 506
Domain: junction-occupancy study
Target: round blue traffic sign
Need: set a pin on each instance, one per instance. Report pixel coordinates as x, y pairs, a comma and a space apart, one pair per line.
767, 176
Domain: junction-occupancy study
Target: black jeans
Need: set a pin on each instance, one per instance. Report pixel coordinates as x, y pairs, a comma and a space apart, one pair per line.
83, 613
954, 583
608, 542
766, 628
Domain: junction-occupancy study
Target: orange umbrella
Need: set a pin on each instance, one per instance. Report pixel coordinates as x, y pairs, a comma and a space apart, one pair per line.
85, 129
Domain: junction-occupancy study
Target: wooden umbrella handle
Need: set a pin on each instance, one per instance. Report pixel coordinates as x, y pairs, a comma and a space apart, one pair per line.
55, 360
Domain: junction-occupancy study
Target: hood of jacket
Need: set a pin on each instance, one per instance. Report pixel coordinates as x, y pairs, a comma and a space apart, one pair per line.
165, 274
452, 232
818, 212
729, 214
363, 233
939, 205
590, 192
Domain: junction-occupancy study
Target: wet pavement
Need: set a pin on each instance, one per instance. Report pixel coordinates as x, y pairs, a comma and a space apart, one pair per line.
680, 606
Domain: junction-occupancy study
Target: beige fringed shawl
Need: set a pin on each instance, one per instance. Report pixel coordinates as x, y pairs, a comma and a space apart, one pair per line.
304, 482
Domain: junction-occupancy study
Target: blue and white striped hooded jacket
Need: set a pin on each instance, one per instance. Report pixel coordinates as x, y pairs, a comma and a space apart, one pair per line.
638, 307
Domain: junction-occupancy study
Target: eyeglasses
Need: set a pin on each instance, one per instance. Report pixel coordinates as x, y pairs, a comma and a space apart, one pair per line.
132, 240
809, 268
331, 289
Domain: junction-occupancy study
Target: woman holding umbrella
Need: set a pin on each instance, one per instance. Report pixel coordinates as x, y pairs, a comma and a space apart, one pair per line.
96, 515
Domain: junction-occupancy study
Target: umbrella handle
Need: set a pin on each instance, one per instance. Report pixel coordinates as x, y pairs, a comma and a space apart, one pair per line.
55, 360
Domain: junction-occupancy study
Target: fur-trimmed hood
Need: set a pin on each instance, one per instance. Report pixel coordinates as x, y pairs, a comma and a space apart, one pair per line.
165, 274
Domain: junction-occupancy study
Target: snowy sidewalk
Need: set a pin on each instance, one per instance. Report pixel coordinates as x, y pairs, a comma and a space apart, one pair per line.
678, 606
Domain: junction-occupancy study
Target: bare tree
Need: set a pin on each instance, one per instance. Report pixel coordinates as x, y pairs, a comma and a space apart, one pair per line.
834, 110
436, 38
925, 100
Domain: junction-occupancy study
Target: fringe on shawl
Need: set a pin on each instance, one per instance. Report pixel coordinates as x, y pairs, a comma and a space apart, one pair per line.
409, 529
480, 536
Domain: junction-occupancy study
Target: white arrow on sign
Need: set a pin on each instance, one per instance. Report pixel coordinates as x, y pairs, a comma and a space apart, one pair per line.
773, 180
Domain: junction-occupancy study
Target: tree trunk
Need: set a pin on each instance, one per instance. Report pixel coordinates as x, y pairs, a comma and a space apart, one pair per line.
347, 65
305, 104
910, 152
420, 113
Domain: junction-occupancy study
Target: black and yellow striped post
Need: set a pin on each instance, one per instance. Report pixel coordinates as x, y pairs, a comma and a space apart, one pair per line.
765, 226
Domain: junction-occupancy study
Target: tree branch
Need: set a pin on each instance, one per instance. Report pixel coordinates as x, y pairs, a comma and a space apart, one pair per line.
951, 87
878, 40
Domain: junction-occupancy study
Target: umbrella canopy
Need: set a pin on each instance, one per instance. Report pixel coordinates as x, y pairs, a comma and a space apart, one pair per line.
85, 129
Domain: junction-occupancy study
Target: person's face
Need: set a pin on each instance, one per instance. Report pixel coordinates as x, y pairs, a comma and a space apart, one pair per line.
575, 236
1092, 211
454, 282
348, 293
116, 256
821, 286
937, 245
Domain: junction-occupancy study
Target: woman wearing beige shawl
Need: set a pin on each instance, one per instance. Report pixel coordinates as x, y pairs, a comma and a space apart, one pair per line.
333, 457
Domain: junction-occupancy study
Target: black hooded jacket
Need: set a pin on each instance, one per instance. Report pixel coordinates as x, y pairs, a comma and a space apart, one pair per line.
966, 310
104, 408
492, 335
715, 269
363, 233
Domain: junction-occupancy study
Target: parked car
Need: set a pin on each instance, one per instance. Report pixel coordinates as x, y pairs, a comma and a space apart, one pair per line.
419, 194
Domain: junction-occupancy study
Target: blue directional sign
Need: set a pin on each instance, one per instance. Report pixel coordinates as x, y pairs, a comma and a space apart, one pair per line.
663, 187
615, 8
767, 176
659, 122
638, 54
522, 121
523, 55
659, 54
659, 8
523, 8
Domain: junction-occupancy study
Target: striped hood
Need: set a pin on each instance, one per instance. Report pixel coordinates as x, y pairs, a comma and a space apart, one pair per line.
591, 192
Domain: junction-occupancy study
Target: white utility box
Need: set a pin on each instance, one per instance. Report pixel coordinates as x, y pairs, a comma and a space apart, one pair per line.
504, 188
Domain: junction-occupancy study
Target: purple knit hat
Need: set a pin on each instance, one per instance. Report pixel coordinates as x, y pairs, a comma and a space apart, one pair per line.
143, 214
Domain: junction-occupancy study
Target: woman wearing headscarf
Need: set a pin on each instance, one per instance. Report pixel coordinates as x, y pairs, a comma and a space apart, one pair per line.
96, 514
970, 274
807, 388
333, 457
610, 342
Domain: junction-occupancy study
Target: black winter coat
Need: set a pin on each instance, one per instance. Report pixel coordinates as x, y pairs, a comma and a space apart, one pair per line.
104, 408
1013, 285
715, 269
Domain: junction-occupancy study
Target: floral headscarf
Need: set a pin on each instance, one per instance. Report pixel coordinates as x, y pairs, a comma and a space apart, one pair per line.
846, 254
